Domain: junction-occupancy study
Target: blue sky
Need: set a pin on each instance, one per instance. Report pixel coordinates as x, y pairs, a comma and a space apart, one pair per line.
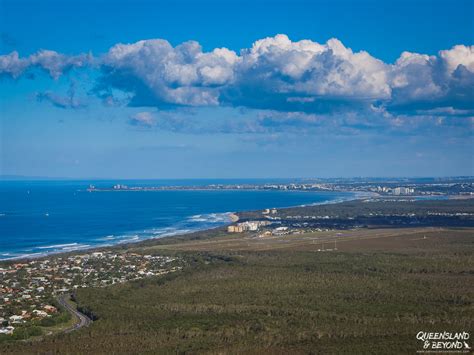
267, 88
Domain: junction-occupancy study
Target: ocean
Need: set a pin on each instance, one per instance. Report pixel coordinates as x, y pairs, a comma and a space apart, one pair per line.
43, 217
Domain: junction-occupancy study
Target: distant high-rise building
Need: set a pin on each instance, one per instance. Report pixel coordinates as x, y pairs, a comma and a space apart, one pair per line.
402, 191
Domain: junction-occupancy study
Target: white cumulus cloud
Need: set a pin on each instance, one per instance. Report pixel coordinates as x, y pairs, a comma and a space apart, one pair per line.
52, 62
182, 75
275, 74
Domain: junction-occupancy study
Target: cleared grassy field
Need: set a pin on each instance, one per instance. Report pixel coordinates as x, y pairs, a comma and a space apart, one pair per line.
280, 295
410, 240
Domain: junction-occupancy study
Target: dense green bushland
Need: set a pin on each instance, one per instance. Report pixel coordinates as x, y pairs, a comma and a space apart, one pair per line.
359, 208
279, 302
396, 213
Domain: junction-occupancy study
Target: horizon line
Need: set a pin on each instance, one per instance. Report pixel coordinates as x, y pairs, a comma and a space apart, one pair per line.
7, 177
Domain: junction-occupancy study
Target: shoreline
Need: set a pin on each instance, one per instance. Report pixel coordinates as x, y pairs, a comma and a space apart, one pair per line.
232, 218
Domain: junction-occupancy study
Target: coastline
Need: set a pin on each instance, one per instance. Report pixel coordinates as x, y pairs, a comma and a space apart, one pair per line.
74, 248
232, 217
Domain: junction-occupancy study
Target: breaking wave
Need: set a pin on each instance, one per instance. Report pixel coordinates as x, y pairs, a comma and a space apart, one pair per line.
211, 218
58, 246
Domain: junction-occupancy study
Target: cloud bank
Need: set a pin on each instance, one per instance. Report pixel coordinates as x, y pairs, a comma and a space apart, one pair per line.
293, 78
54, 63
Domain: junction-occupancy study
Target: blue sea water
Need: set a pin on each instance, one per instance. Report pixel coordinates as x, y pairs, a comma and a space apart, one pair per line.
41, 217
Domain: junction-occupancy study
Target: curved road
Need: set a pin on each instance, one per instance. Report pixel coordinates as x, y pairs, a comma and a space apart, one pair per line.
83, 320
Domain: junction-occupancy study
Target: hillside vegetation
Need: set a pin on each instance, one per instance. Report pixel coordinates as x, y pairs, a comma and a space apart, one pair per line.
281, 301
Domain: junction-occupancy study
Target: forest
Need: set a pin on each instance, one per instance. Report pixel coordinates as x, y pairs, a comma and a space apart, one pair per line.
280, 301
